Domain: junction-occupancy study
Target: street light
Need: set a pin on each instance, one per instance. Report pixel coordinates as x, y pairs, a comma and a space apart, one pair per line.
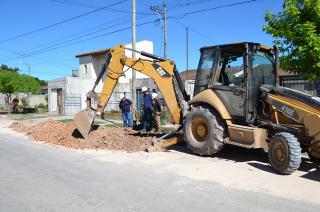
26, 65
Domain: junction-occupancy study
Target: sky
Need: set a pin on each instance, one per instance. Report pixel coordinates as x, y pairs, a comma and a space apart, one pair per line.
50, 52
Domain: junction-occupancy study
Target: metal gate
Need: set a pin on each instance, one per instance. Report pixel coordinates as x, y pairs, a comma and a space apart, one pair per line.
72, 104
300, 84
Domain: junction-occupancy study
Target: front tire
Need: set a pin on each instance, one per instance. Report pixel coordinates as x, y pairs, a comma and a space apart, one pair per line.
284, 153
203, 131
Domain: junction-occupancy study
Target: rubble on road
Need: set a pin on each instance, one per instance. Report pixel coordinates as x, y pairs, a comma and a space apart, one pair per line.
66, 135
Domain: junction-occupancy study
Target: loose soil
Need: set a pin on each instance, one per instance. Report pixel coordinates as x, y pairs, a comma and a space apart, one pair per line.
66, 135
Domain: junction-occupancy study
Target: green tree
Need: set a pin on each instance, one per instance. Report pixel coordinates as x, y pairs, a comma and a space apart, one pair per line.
6, 68
11, 82
297, 33
29, 84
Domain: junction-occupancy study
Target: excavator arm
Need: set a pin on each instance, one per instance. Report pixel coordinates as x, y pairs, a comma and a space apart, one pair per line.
163, 72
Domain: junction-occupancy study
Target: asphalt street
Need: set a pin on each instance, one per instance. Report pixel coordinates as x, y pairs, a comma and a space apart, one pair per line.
38, 177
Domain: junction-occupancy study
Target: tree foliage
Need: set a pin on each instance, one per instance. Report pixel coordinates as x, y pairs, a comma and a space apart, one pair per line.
6, 68
42, 82
12, 82
9, 82
297, 33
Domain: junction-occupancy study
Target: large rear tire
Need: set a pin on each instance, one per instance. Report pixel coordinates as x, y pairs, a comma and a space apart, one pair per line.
284, 153
203, 132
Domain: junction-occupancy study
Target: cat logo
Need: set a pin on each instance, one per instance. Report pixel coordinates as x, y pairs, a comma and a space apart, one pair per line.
161, 71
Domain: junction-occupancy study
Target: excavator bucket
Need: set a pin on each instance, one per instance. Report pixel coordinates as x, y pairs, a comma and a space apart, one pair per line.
83, 121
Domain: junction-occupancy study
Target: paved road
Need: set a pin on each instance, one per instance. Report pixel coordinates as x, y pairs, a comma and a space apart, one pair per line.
37, 177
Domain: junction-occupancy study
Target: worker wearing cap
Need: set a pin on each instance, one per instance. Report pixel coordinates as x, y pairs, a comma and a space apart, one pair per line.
147, 109
125, 106
157, 108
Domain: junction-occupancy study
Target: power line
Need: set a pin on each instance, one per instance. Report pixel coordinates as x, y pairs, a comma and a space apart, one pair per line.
61, 22
70, 42
47, 61
62, 41
192, 29
189, 3
81, 34
214, 8
28, 53
80, 4
175, 3
72, 38
97, 36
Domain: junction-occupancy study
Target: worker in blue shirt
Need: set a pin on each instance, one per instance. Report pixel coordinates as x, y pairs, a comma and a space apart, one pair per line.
147, 110
125, 106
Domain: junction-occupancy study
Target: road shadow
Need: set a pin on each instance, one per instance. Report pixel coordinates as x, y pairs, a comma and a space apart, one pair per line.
256, 158
263, 167
148, 134
311, 169
230, 153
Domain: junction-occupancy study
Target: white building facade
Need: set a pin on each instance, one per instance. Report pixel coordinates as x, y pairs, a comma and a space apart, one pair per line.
67, 95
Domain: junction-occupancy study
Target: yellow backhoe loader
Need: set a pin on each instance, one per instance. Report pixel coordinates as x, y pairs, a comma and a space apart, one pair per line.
237, 100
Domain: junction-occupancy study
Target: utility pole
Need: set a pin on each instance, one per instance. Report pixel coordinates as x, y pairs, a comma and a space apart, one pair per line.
165, 27
187, 46
163, 13
133, 80
28, 65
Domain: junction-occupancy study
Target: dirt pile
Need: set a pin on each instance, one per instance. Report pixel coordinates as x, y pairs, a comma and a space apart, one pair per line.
66, 135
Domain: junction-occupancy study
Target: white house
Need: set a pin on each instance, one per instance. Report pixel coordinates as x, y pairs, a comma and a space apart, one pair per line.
67, 95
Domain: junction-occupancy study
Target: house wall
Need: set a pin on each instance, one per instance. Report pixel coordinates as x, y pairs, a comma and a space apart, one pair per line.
2, 101
94, 63
124, 83
76, 88
36, 100
86, 69
53, 85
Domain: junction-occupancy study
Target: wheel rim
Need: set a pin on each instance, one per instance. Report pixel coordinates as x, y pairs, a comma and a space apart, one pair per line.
279, 153
199, 128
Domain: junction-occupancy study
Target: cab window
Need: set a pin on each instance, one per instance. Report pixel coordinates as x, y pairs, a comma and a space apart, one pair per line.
262, 69
231, 71
204, 72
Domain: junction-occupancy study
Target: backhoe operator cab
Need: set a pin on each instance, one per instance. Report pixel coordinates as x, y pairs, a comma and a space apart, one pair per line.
235, 72
237, 101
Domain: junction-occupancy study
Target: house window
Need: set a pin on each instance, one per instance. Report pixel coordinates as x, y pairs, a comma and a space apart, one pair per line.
86, 69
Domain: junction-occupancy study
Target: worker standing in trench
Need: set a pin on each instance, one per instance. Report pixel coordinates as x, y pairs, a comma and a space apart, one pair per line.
157, 108
126, 105
147, 110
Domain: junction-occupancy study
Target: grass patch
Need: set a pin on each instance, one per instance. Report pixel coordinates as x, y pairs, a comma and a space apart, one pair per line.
65, 120
114, 125
96, 122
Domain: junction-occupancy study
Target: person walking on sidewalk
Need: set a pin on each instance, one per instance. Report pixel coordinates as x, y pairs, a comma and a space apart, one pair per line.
157, 108
147, 110
126, 106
